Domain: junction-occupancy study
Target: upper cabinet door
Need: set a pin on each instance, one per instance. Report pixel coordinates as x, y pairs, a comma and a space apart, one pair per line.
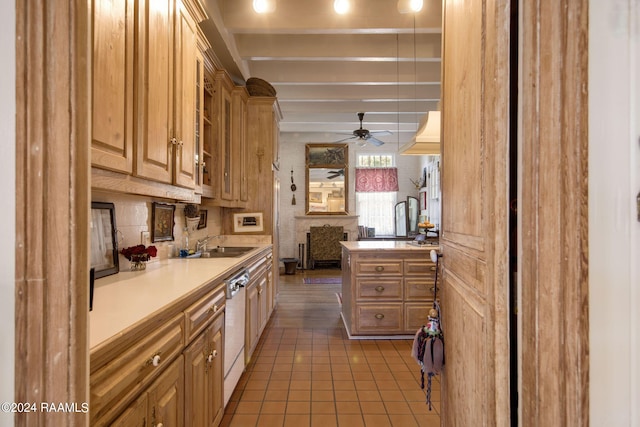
155, 65
185, 99
112, 108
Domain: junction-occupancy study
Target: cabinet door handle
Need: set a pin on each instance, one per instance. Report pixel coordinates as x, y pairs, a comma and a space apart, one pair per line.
379, 288
433, 289
379, 268
214, 308
154, 360
433, 268
379, 316
211, 356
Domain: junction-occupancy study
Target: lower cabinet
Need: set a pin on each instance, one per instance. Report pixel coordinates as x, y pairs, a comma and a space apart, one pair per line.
260, 303
204, 394
162, 404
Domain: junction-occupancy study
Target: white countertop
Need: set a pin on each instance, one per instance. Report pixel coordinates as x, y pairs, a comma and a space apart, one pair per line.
123, 299
385, 245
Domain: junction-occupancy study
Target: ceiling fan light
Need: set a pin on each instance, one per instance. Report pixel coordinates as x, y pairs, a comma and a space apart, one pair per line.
264, 6
410, 6
361, 142
341, 6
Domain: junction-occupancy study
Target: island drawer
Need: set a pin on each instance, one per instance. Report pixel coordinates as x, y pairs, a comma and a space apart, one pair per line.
376, 288
379, 318
380, 267
200, 313
418, 288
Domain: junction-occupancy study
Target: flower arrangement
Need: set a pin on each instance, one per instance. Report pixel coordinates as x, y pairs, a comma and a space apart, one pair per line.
138, 255
191, 211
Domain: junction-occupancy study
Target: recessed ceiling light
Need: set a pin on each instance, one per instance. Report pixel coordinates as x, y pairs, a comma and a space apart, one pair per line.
341, 6
409, 6
264, 6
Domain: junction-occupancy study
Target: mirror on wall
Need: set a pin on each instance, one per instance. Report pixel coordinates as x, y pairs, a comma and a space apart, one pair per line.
327, 178
407, 217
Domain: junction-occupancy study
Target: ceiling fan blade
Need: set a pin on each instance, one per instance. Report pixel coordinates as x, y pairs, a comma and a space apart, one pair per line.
346, 139
381, 132
375, 141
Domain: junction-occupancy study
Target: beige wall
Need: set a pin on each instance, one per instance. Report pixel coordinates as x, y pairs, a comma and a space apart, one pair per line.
7, 214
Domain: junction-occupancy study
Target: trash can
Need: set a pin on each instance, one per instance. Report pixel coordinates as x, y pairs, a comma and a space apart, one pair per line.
290, 265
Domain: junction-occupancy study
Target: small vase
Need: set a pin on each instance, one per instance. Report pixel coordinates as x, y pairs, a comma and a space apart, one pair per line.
138, 263
192, 224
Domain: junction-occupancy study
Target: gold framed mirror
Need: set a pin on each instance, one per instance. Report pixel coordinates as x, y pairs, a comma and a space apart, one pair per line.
327, 179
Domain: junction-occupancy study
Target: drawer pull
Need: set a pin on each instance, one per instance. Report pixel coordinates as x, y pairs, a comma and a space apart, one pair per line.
379, 316
433, 268
154, 360
214, 308
379, 268
433, 289
379, 288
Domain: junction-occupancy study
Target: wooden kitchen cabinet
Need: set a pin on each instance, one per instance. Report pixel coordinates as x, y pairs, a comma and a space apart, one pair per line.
155, 77
112, 101
161, 404
166, 109
386, 292
204, 367
260, 303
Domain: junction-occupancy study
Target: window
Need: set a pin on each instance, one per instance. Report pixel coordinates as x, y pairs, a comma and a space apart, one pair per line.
376, 207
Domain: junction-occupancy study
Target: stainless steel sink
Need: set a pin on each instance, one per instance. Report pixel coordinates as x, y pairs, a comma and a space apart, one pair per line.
226, 251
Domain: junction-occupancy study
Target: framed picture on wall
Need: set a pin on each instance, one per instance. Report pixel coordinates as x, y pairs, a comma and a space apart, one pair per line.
162, 222
104, 245
203, 219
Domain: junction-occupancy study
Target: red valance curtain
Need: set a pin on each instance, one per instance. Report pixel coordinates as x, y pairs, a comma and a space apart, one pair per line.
376, 179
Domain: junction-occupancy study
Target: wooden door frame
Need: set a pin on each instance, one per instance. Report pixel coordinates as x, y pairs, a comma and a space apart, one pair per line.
52, 208
553, 213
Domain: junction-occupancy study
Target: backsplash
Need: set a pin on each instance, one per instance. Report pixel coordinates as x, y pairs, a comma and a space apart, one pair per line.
133, 216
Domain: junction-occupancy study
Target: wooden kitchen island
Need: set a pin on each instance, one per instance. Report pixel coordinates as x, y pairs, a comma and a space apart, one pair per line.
387, 288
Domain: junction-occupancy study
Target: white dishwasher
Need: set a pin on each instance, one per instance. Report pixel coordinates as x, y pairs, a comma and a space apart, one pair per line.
234, 331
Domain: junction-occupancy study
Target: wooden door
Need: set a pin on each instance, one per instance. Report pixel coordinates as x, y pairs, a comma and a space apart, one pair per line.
135, 415
155, 61
185, 97
475, 139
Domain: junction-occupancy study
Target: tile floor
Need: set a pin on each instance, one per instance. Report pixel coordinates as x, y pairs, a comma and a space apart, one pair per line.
306, 372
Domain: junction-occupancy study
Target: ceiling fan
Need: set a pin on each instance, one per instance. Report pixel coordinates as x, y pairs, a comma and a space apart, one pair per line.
363, 135
335, 174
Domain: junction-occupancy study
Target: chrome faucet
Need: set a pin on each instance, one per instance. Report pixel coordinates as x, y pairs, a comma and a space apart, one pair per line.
202, 243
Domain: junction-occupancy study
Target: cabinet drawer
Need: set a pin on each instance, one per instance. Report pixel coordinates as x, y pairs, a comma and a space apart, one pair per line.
380, 267
379, 318
118, 382
418, 288
200, 313
374, 288
416, 315
420, 266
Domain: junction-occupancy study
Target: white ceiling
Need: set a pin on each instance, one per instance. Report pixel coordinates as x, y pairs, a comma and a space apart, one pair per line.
327, 67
